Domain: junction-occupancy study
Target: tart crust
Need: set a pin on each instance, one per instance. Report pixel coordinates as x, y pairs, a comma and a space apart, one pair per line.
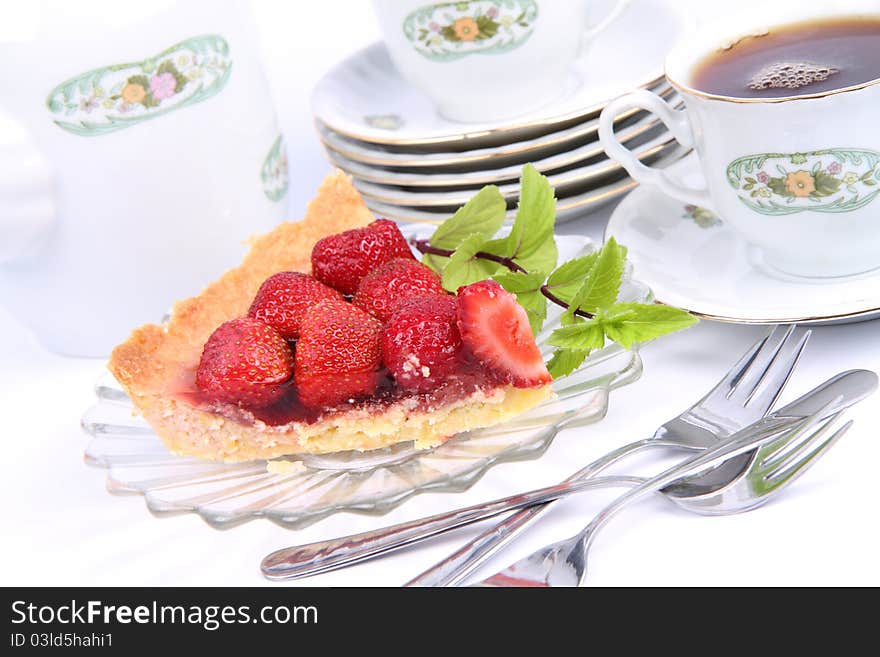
149, 364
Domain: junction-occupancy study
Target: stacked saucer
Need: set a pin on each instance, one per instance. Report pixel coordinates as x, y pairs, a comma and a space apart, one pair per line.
411, 164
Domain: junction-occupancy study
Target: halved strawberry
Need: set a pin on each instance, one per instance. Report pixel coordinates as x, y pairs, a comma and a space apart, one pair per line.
382, 290
245, 361
337, 355
342, 260
284, 297
496, 330
420, 343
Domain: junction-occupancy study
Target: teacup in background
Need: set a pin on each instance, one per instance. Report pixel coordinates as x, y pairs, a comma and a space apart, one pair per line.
481, 60
139, 148
797, 176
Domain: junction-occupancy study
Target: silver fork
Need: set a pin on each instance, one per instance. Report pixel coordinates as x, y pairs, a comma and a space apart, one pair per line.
744, 395
725, 489
564, 563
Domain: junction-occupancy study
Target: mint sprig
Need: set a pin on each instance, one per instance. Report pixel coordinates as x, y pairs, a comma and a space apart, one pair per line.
465, 249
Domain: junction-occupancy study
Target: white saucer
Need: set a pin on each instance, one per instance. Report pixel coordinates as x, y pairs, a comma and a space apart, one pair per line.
582, 158
566, 183
365, 98
581, 138
692, 260
567, 207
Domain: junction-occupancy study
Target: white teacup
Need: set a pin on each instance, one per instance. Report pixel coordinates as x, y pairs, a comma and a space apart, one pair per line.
481, 60
797, 176
138, 149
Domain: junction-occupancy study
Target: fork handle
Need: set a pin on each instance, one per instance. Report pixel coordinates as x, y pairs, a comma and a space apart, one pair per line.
323, 556
458, 565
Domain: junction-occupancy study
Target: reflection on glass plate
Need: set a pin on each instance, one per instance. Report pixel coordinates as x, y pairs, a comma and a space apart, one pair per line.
313, 487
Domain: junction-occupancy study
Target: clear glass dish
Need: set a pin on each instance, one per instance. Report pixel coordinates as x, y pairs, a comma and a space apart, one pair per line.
227, 494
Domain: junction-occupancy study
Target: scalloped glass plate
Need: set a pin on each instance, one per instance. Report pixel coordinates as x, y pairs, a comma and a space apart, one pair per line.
373, 482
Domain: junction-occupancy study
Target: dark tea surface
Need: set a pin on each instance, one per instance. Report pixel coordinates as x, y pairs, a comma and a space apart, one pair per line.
794, 60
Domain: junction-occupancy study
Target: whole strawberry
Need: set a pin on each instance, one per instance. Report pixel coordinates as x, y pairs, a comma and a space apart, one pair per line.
342, 260
245, 361
283, 299
382, 290
421, 342
496, 330
337, 355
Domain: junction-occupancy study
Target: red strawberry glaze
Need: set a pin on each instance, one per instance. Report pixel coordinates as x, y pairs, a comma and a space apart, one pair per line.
468, 376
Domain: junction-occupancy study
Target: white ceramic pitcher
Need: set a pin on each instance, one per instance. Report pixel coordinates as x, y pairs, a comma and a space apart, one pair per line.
138, 150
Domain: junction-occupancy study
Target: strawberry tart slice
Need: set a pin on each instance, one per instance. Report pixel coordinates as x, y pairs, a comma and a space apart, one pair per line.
331, 336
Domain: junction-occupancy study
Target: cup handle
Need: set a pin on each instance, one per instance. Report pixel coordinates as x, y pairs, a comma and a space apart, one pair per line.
27, 199
593, 32
679, 126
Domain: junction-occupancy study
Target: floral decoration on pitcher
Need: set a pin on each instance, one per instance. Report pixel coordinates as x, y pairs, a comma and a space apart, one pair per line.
115, 97
832, 180
273, 173
447, 31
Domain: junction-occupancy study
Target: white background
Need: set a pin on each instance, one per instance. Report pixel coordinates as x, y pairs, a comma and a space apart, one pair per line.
60, 526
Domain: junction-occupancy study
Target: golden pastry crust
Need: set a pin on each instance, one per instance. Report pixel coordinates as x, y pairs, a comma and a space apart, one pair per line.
149, 364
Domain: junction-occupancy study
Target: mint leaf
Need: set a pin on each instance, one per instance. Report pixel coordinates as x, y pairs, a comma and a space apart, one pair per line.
464, 267
628, 323
535, 305
566, 280
620, 312
517, 281
565, 361
530, 242
602, 282
583, 336
575, 342
482, 215
527, 288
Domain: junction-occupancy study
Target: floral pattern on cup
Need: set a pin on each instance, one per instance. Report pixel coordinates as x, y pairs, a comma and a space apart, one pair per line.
115, 97
447, 31
701, 216
831, 180
273, 173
